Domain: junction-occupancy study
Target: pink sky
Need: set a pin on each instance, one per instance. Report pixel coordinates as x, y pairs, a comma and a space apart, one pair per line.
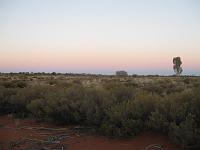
99, 36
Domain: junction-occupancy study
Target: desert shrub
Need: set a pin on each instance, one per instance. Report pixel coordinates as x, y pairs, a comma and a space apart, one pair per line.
52, 82
78, 82
23, 97
113, 108
196, 82
64, 106
119, 91
14, 84
187, 80
158, 122
94, 105
178, 115
145, 103
164, 87
129, 117
46, 104
21, 84
120, 122
5, 99
9, 84
37, 108
79, 105
58, 83
154, 88
187, 133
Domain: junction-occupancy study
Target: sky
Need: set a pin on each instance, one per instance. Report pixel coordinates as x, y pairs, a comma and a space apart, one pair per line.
99, 36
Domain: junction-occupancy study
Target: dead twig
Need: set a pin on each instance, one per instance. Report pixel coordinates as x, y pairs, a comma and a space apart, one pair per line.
154, 147
43, 141
42, 128
13, 144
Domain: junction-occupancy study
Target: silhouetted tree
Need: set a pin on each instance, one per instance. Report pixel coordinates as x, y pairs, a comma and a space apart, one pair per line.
121, 73
177, 65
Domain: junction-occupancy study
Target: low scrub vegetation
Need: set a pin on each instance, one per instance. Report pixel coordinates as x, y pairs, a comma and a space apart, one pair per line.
112, 108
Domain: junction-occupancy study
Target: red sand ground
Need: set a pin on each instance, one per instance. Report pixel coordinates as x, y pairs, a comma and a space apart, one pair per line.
12, 137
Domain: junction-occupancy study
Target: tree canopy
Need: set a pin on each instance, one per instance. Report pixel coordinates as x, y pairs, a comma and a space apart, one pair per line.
177, 65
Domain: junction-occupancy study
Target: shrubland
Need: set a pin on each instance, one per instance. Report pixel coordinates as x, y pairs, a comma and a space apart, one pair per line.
114, 107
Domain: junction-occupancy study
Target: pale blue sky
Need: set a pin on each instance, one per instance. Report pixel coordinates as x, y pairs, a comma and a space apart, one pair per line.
140, 36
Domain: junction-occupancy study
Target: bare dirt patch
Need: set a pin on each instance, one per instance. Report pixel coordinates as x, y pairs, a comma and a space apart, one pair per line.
26, 134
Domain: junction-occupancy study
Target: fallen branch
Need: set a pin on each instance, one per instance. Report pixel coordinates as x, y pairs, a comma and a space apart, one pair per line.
155, 146
43, 141
13, 144
42, 128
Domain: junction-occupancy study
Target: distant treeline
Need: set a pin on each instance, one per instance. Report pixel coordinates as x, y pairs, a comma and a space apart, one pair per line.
89, 74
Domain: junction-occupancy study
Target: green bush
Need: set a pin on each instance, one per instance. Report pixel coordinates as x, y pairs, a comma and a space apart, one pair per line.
187, 133
5, 99
37, 108
14, 84
158, 122
113, 108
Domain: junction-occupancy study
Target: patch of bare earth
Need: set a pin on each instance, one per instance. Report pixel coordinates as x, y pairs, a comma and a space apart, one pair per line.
26, 134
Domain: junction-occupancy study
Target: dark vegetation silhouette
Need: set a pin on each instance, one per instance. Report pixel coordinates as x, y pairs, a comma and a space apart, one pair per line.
177, 65
112, 106
121, 73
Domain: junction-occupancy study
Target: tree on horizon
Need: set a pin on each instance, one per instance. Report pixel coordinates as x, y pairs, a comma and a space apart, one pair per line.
177, 65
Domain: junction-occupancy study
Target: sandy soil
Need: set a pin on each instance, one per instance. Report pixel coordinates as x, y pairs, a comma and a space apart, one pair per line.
17, 134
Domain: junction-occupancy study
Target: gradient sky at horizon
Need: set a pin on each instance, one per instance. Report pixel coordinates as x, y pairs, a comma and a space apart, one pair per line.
99, 36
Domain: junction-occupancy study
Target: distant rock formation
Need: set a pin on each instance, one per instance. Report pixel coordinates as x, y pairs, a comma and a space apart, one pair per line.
121, 73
